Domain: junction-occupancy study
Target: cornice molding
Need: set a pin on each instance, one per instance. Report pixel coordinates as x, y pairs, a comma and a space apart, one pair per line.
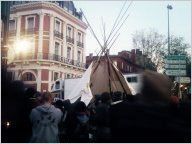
50, 6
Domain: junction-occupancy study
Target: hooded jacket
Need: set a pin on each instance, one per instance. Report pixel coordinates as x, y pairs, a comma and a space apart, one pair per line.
45, 120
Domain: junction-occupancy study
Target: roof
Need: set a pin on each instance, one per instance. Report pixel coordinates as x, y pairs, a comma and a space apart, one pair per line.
67, 5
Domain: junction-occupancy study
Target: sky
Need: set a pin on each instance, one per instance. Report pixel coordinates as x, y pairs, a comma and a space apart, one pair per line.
144, 15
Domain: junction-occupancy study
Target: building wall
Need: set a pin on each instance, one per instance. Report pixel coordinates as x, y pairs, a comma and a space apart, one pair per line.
41, 61
125, 61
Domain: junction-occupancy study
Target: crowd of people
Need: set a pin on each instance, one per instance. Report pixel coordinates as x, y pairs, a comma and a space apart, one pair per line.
153, 116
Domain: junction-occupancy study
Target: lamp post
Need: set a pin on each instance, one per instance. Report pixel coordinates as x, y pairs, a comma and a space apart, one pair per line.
169, 7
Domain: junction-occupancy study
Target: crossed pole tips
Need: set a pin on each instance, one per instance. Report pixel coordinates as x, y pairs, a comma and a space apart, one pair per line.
114, 33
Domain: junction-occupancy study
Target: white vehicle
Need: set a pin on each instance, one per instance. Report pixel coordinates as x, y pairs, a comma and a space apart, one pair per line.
135, 82
62, 87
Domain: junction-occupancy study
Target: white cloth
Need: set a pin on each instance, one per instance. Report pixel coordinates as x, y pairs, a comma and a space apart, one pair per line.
82, 89
45, 120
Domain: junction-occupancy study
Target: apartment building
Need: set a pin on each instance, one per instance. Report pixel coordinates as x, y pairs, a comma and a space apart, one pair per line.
46, 42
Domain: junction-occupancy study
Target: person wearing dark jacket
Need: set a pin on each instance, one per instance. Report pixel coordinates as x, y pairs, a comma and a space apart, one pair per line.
78, 124
102, 119
150, 119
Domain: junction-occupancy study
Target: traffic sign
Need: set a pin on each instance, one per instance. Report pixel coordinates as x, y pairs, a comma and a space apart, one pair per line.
176, 72
176, 57
175, 66
168, 61
183, 79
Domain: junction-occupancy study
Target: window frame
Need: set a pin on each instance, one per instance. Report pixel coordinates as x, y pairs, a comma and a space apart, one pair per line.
71, 31
58, 48
55, 73
79, 37
69, 53
57, 20
14, 24
26, 21
79, 56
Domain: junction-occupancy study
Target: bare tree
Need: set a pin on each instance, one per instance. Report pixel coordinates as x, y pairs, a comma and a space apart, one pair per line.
152, 44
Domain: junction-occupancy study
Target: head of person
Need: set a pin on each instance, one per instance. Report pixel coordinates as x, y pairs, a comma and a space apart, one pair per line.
67, 104
156, 87
30, 92
59, 104
80, 107
105, 98
47, 97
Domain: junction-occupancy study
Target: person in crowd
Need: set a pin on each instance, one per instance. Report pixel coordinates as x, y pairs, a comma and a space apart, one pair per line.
38, 100
68, 111
59, 104
78, 127
102, 118
15, 113
149, 118
45, 119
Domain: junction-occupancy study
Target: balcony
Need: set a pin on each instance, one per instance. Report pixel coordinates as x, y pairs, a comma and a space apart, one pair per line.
12, 33
69, 39
52, 57
58, 34
80, 44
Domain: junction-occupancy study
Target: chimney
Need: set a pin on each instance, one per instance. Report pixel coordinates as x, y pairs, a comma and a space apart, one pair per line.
133, 51
138, 52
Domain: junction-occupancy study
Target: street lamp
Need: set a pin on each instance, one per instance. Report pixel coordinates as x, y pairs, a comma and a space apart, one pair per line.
169, 7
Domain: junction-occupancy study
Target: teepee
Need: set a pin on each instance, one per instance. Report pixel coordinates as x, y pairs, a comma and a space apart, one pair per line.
102, 75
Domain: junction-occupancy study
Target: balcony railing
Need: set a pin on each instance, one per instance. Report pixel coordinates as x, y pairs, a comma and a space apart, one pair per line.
69, 39
47, 56
80, 44
58, 34
12, 33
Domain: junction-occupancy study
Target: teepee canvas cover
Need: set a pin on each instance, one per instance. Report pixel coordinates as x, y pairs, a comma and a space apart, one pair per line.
101, 76
106, 77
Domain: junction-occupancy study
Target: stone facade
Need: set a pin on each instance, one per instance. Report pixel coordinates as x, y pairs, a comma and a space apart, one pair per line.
56, 41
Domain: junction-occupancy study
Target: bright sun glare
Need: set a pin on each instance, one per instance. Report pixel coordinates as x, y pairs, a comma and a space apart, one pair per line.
22, 46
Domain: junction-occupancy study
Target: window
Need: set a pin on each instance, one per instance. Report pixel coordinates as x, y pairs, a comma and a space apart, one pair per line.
57, 85
69, 53
56, 76
79, 36
28, 77
30, 22
57, 26
69, 33
56, 48
79, 56
130, 69
132, 79
127, 68
12, 25
122, 65
68, 75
